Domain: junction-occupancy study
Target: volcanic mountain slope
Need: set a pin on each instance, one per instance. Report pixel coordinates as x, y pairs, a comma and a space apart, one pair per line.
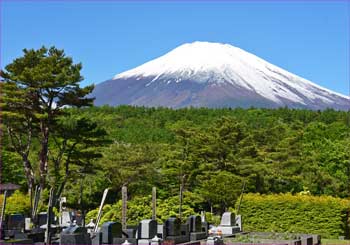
203, 74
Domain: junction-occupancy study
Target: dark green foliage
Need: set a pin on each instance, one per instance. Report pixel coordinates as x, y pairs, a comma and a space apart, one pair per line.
324, 215
34, 90
17, 203
278, 150
209, 153
140, 208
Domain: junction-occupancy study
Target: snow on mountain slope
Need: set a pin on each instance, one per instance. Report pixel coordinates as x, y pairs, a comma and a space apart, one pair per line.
207, 68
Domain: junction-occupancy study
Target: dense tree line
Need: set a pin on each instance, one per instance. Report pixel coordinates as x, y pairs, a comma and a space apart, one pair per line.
52, 136
210, 152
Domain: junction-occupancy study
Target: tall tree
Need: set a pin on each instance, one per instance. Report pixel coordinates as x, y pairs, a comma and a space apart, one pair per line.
181, 161
77, 141
20, 124
47, 81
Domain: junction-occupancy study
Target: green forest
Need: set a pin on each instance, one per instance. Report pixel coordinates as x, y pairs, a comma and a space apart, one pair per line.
208, 151
53, 136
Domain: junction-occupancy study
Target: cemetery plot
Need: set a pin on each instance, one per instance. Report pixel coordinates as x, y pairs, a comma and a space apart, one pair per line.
273, 238
65, 230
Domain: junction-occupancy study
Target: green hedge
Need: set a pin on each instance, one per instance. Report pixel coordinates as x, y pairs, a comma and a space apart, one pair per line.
323, 215
17, 203
139, 208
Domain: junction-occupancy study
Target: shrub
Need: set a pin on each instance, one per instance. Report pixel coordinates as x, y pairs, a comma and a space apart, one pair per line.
17, 203
139, 208
324, 215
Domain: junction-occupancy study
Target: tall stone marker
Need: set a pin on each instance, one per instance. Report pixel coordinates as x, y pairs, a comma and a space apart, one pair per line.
124, 206
154, 203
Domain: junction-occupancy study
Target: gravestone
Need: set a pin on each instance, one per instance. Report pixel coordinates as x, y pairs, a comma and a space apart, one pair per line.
205, 227
227, 219
195, 228
110, 230
175, 232
75, 235
172, 227
239, 221
147, 229
42, 218
195, 223
27, 224
161, 231
15, 222
15, 225
227, 225
66, 219
185, 232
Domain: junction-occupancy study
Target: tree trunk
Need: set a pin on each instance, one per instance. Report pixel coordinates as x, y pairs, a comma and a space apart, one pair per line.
64, 181
44, 154
182, 187
28, 171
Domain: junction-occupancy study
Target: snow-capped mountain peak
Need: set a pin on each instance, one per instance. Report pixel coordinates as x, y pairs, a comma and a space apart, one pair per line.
217, 65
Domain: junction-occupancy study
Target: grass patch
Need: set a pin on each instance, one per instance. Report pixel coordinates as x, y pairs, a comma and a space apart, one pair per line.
334, 242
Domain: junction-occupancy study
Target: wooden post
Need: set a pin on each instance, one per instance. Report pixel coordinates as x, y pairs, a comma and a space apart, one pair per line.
240, 198
99, 214
154, 203
36, 204
82, 208
124, 206
3, 214
49, 217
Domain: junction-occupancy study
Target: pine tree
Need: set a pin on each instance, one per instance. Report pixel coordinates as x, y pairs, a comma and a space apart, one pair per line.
36, 88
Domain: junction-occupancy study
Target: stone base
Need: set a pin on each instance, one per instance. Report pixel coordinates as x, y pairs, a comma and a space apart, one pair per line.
228, 230
37, 236
195, 236
215, 241
119, 241
176, 239
11, 233
80, 238
144, 241
20, 235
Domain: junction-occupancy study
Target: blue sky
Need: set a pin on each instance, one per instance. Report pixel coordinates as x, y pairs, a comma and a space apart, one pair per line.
309, 38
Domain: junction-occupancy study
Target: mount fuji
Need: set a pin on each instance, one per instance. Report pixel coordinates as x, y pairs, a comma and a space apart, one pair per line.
203, 74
